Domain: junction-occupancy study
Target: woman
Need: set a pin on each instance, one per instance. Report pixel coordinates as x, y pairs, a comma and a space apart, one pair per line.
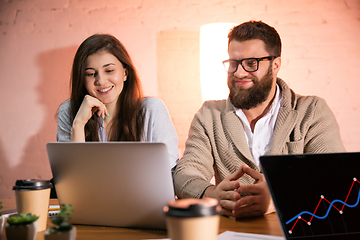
107, 103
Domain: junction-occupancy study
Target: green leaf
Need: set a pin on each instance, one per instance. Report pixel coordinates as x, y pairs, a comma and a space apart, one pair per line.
65, 227
61, 219
22, 219
56, 220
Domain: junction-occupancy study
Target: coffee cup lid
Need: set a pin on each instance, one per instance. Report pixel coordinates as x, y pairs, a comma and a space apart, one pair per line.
32, 184
185, 208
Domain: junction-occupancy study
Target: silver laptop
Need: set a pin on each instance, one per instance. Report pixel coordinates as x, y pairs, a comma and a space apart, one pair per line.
122, 184
316, 195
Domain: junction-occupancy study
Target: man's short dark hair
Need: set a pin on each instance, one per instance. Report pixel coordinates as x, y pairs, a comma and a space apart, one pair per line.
258, 30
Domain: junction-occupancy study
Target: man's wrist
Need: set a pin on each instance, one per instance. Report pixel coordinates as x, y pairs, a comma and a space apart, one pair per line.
209, 192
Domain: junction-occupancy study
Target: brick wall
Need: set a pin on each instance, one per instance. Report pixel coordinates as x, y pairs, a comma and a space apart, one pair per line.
39, 38
179, 77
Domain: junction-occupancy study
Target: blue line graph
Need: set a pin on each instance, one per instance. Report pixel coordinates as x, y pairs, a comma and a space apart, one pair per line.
327, 213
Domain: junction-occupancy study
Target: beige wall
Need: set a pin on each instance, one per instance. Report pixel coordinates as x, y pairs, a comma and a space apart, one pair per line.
38, 39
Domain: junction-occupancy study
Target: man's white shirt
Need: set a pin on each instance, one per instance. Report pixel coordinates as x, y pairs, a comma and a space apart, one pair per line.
259, 141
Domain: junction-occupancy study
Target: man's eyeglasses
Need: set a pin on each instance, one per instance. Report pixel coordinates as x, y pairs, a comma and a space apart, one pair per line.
248, 64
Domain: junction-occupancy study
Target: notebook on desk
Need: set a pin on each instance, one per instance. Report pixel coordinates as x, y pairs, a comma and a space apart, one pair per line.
316, 196
122, 184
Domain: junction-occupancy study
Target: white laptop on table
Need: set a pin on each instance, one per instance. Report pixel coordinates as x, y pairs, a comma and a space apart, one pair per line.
122, 184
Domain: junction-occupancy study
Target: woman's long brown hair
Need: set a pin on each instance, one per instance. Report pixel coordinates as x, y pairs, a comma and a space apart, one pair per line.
128, 124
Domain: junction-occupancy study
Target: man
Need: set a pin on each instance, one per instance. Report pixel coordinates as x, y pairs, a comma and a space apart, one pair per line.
262, 116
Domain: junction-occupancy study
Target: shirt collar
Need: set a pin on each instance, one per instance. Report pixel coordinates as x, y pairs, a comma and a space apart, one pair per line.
276, 100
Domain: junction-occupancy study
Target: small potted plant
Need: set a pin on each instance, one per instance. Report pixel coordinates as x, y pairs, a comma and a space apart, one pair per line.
63, 229
22, 226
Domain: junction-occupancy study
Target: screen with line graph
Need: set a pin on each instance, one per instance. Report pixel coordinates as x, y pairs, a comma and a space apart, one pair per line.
317, 195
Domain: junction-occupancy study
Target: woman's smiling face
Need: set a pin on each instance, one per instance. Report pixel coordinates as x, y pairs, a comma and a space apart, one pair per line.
104, 77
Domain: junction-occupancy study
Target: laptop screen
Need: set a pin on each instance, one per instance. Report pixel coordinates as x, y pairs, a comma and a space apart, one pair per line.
316, 195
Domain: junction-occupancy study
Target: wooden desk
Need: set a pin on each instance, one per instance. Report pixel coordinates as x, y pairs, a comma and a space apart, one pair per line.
261, 225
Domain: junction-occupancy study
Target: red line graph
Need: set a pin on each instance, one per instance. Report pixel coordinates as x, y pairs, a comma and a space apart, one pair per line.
322, 198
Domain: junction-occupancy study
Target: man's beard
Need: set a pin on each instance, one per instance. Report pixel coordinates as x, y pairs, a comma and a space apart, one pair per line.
252, 97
